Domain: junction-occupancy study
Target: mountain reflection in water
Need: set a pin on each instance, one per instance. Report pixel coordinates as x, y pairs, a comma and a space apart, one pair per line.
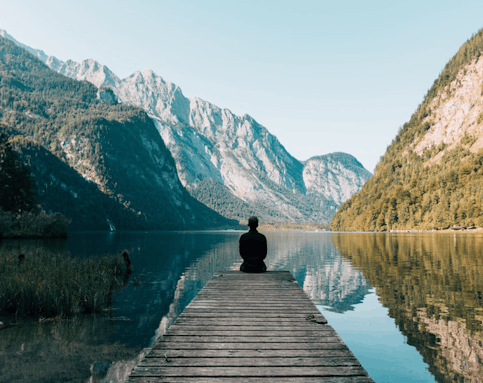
170, 268
432, 286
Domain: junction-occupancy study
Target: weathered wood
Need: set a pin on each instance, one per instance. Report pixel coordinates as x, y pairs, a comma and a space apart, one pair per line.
250, 328
249, 362
223, 318
249, 346
325, 353
250, 371
253, 312
230, 321
278, 379
256, 300
244, 314
268, 309
250, 339
237, 326
254, 307
242, 304
247, 330
324, 379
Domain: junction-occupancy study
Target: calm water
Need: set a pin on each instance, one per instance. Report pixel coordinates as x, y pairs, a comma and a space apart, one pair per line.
410, 306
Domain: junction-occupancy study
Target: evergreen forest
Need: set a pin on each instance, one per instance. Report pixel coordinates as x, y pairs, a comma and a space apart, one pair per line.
441, 188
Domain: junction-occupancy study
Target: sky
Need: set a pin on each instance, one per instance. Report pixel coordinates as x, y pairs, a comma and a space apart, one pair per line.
322, 76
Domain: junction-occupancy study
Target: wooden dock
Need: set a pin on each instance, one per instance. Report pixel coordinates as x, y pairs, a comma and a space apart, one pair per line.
250, 328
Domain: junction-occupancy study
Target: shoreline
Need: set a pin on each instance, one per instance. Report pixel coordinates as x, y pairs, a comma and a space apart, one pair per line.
449, 230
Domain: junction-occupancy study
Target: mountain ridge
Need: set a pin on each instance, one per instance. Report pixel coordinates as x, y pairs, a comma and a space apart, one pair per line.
117, 148
209, 142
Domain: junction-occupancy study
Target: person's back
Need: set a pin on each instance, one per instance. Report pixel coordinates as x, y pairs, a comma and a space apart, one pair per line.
253, 249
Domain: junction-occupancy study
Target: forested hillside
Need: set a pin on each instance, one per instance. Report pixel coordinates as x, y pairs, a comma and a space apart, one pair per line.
230, 163
431, 176
94, 162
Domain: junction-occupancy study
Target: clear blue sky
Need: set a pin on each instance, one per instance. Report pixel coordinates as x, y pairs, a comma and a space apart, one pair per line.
322, 76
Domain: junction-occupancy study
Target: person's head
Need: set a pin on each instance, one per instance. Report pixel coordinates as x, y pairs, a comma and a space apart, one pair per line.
253, 222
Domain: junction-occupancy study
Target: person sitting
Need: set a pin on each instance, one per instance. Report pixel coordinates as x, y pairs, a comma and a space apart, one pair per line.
253, 249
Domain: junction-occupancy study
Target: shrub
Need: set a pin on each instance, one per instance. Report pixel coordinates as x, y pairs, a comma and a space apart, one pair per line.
33, 225
43, 283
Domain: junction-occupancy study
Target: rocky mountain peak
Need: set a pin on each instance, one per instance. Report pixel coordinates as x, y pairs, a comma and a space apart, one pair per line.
454, 112
88, 70
236, 153
337, 176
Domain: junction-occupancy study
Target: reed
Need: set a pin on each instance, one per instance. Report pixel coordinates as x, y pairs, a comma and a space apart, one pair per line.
47, 284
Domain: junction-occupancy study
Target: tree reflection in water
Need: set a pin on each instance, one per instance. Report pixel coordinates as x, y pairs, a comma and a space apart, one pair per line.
432, 286
63, 350
429, 283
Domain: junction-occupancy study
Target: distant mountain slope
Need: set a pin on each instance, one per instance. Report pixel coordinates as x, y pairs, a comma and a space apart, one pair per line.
62, 189
115, 147
215, 150
431, 176
336, 176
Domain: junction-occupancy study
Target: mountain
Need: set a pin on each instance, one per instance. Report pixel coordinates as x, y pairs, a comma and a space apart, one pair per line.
335, 176
231, 164
115, 164
431, 176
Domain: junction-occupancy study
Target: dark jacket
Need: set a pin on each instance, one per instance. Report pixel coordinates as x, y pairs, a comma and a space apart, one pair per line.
253, 250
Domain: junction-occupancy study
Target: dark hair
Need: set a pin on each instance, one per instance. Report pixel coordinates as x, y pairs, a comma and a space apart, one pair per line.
253, 222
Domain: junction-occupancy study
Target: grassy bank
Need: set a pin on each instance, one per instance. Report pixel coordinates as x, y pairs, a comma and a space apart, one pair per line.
33, 225
42, 283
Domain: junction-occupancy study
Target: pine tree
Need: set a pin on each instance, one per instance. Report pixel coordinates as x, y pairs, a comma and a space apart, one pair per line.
17, 189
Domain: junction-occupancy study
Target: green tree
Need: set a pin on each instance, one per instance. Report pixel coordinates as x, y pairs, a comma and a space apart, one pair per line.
17, 189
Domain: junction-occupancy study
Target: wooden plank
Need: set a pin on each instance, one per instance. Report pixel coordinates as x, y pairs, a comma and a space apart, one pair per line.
203, 294
260, 283
249, 362
189, 329
273, 289
252, 285
268, 310
246, 314
254, 306
250, 328
250, 339
230, 321
208, 325
261, 316
175, 353
242, 305
249, 371
256, 298
201, 379
251, 299
262, 335
249, 346
211, 379
247, 330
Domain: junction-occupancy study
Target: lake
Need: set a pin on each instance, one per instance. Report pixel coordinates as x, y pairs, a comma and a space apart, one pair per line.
409, 306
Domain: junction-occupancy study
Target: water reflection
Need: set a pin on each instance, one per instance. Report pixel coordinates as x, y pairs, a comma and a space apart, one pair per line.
105, 349
432, 286
74, 351
429, 283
